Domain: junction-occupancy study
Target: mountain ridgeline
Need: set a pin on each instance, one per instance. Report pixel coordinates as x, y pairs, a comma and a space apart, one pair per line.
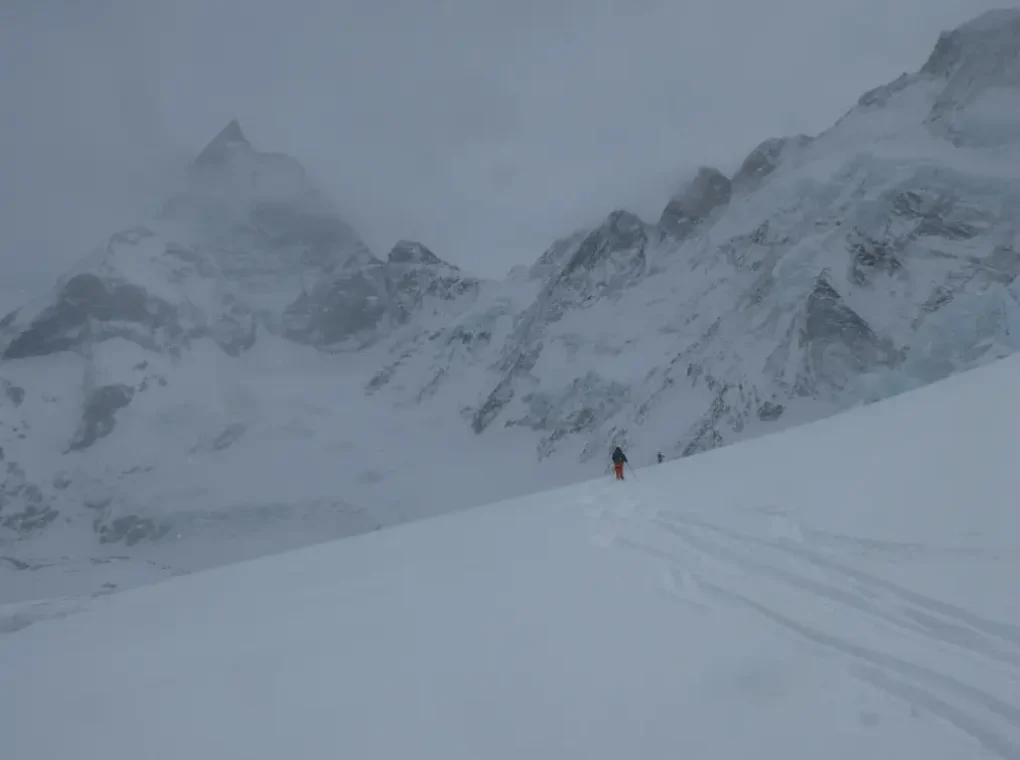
828, 271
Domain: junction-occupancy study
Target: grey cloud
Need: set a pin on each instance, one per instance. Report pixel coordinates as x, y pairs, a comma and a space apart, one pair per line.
483, 127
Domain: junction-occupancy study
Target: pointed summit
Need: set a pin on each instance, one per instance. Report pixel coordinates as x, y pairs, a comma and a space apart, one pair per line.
411, 252
980, 65
215, 152
989, 42
695, 202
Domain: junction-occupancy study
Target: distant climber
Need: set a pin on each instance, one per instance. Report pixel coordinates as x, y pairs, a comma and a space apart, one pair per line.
661, 458
618, 460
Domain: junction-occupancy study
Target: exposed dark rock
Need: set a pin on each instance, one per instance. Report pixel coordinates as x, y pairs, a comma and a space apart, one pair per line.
190, 263
31, 519
467, 337
86, 298
707, 439
409, 252
581, 406
131, 236
940, 213
838, 342
15, 393
729, 409
705, 436
978, 58
216, 152
552, 262
770, 412
415, 274
322, 235
610, 259
766, 158
709, 190
23, 508
381, 378
622, 232
870, 256
1002, 265
235, 330
230, 435
98, 417
130, 529
350, 306
880, 96
938, 298
945, 57
490, 409
972, 44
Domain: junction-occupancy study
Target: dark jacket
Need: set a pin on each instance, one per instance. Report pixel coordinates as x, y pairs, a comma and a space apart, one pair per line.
618, 455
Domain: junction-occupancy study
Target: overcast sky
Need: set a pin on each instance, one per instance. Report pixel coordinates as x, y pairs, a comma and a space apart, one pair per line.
484, 128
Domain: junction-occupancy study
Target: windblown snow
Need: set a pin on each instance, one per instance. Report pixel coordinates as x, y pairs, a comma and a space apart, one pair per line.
844, 589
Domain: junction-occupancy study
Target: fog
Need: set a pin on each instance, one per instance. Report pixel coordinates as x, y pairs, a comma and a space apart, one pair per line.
483, 128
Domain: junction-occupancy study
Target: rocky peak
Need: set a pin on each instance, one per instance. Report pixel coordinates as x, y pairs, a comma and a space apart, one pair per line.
622, 233
838, 342
982, 44
230, 178
980, 63
362, 303
607, 261
253, 242
709, 190
551, 262
272, 234
348, 310
766, 158
622, 224
89, 306
410, 252
421, 281
216, 152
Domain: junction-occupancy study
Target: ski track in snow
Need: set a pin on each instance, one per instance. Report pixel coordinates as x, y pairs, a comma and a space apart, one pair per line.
843, 590
925, 651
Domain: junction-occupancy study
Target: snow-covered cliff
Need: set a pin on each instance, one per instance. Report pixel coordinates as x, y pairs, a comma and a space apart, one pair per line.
186, 376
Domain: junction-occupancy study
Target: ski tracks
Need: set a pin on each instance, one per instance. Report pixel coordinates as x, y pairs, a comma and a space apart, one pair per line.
939, 657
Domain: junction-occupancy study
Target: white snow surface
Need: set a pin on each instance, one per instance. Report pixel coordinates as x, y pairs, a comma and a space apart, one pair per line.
844, 589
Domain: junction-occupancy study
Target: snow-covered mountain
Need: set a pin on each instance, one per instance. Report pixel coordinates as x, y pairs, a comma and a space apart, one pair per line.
877, 256
243, 364
851, 595
192, 368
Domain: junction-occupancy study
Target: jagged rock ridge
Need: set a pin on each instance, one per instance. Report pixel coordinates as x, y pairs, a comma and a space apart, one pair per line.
828, 270
247, 247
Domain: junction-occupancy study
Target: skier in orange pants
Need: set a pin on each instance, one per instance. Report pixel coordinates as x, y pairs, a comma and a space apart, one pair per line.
618, 459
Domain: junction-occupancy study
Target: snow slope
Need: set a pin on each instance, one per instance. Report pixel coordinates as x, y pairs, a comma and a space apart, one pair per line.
844, 589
